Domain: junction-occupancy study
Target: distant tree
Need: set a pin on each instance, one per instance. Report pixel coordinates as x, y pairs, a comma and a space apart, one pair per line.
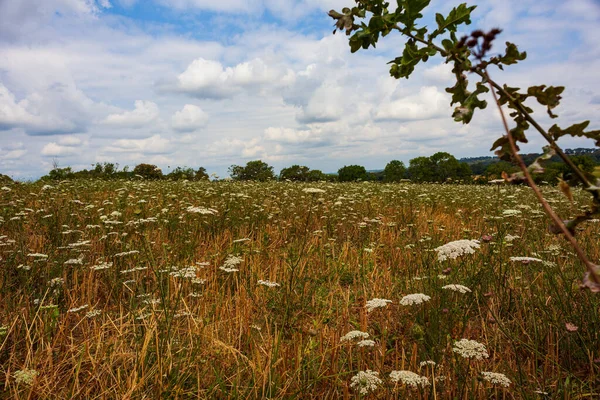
421, 169
394, 171
148, 171
295, 173
200, 174
494, 171
253, 171
351, 173
315, 175
61, 173
180, 173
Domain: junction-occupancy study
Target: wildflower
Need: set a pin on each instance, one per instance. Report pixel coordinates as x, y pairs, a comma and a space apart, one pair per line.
457, 288
457, 248
366, 343
231, 263
268, 283
376, 303
313, 190
25, 376
76, 309
37, 255
415, 298
365, 381
511, 213
496, 378
571, 327
470, 349
93, 313
56, 282
409, 378
201, 210
525, 260
354, 335
187, 273
426, 363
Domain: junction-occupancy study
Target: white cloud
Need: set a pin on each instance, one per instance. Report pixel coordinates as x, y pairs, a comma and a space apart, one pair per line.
71, 141
189, 119
152, 145
209, 79
53, 149
428, 103
144, 113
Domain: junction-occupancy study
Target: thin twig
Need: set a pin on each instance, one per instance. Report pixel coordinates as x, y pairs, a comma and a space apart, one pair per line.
588, 264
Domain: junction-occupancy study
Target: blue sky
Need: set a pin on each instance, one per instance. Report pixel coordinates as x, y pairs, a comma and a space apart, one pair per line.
214, 83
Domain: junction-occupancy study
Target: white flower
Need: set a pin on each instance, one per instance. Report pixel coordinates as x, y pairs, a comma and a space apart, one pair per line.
25, 376
376, 303
415, 298
354, 335
426, 363
268, 283
313, 190
511, 213
470, 349
201, 210
76, 309
366, 343
496, 378
93, 313
365, 381
525, 259
457, 288
409, 378
457, 248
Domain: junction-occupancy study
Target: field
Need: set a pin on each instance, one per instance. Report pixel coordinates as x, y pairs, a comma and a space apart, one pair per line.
115, 290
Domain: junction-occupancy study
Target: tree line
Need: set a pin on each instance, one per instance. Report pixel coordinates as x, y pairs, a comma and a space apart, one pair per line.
439, 167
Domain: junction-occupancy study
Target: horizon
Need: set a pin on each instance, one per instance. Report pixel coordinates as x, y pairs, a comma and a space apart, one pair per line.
192, 82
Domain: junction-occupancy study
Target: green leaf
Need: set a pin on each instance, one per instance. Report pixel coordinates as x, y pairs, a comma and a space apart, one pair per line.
459, 15
575, 130
549, 97
512, 55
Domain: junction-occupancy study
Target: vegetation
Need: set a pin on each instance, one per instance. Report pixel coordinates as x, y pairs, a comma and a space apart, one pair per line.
253, 171
166, 289
352, 173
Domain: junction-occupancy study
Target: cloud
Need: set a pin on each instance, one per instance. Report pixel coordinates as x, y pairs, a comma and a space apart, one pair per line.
46, 112
189, 119
53, 149
144, 113
211, 80
152, 145
428, 103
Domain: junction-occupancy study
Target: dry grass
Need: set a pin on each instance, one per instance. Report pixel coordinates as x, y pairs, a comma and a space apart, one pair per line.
162, 331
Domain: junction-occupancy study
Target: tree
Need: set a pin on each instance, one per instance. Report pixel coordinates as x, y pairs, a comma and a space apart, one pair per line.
420, 169
352, 173
201, 174
253, 171
394, 171
295, 173
180, 173
148, 171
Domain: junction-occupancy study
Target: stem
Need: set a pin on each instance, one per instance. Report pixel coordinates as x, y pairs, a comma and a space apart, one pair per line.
588, 264
515, 103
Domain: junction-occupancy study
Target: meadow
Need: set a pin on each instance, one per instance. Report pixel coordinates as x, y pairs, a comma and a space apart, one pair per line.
177, 290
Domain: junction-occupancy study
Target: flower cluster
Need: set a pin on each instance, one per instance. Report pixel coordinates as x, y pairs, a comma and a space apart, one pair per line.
365, 381
456, 249
415, 298
409, 378
470, 349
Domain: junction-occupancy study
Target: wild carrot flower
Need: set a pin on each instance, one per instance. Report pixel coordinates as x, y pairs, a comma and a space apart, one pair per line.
457, 288
25, 376
268, 283
526, 260
496, 378
354, 335
409, 378
470, 349
376, 303
457, 248
365, 381
413, 299
313, 190
366, 343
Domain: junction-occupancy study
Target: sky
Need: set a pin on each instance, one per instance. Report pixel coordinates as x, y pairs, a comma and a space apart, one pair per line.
214, 83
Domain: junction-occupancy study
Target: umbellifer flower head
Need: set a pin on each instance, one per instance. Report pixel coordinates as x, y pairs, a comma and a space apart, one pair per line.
409, 378
354, 335
365, 381
496, 378
457, 248
25, 376
415, 298
470, 349
376, 303
457, 288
